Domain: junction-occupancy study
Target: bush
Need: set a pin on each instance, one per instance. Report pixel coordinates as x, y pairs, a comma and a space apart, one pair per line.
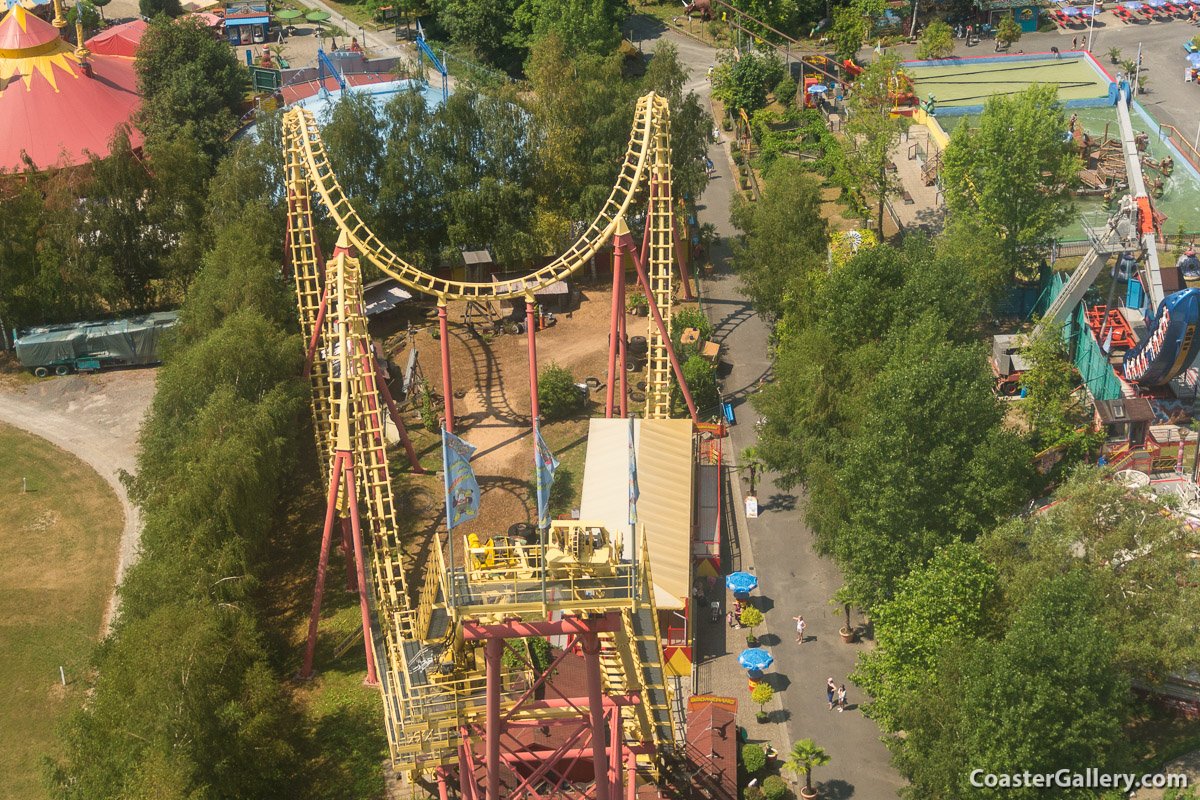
753, 758
785, 90
727, 124
774, 788
690, 318
753, 793
751, 617
762, 694
429, 416
702, 383
558, 397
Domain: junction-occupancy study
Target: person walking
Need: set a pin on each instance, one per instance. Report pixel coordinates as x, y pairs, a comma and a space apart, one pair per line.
1075, 43
800, 626
841, 698
830, 692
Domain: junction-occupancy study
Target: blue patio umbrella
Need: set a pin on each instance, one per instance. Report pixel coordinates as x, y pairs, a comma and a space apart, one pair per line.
1071, 11
1156, 3
818, 88
1090, 11
1194, 59
1133, 6
741, 582
755, 658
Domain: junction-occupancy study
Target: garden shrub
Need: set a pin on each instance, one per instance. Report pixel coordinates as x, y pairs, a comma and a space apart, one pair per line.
558, 397
774, 788
753, 758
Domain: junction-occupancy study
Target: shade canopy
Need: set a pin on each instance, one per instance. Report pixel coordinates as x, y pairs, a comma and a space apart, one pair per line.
1090, 11
289, 13
119, 40
1157, 3
741, 582
317, 16
1194, 59
1071, 11
818, 88
755, 658
1135, 6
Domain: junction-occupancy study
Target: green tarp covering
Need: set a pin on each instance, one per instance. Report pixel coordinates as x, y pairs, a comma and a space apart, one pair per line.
126, 341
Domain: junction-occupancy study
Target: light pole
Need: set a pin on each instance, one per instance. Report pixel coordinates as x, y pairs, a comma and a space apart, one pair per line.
1091, 26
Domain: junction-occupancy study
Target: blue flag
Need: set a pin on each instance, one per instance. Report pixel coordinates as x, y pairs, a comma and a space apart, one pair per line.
544, 464
462, 490
633, 483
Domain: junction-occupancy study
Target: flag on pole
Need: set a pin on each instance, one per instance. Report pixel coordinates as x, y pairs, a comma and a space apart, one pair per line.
544, 464
633, 482
462, 490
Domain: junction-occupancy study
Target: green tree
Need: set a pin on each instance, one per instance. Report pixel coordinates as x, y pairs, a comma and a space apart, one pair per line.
484, 25
91, 16
702, 385
100, 4
1049, 384
876, 133
1008, 31
783, 254
849, 30
937, 41
1010, 179
583, 26
189, 81
1045, 697
929, 464
156, 8
744, 82
762, 694
803, 758
949, 600
1134, 557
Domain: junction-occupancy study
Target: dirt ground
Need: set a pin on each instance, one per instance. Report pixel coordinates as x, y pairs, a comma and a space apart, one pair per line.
490, 381
95, 417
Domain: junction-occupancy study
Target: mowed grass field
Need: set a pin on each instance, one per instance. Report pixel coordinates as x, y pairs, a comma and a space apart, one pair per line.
58, 555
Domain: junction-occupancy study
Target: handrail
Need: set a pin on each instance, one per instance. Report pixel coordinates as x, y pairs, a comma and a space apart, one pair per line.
1191, 154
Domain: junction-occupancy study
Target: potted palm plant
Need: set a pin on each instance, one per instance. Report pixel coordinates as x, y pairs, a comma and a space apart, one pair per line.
804, 756
847, 631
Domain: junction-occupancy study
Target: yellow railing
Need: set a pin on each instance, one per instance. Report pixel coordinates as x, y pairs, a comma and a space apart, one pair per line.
1181, 143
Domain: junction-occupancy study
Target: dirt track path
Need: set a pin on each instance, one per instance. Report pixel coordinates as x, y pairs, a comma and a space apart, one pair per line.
97, 418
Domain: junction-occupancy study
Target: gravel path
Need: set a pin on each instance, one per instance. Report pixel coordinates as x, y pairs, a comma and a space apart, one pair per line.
96, 417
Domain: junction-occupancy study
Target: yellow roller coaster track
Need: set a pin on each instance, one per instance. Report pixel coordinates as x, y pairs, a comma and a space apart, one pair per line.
648, 152
425, 718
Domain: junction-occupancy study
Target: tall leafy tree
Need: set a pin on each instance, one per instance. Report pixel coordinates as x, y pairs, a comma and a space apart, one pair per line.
1010, 179
949, 600
1045, 697
189, 82
583, 26
783, 255
875, 131
937, 41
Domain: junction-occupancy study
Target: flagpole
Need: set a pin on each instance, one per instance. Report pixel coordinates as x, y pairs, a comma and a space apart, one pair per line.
1091, 26
451, 593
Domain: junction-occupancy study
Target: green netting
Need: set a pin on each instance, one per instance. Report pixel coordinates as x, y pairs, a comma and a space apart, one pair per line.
1093, 365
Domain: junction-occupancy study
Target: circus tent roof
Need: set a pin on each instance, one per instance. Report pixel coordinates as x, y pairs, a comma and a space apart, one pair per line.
50, 108
119, 40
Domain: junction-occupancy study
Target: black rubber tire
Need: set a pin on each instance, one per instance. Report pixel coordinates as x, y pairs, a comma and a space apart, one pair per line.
1010, 388
633, 365
41, 372
62, 369
637, 345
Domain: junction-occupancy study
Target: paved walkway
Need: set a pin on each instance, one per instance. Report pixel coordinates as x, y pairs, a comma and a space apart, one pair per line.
926, 209
777, 545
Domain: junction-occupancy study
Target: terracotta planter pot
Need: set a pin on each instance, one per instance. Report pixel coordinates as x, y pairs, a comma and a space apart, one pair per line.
808, 794
848, 636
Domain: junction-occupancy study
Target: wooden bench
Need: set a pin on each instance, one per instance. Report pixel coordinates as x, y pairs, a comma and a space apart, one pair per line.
891, 167
1188, 46
908, 198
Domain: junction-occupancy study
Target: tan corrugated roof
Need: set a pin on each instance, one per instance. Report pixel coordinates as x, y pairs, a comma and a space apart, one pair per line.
664, 464
665, 502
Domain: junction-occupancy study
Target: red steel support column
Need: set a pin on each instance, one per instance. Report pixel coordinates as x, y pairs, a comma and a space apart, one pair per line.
348, 552
356, 529
306, 671
591, 654
466, 777
624, 343
399, 423
683, 267
312, 345
618, 313
631, 777
662, 329
447, 388
441, 780
492, 652
615, 754
533, 383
